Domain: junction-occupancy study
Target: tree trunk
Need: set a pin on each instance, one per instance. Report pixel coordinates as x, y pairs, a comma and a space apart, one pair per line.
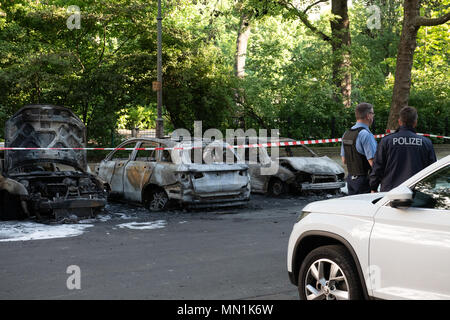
404, 64
412, 21
340, 42
239, 62
241, 46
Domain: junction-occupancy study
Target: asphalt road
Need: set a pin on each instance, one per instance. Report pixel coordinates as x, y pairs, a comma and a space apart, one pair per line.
217, 254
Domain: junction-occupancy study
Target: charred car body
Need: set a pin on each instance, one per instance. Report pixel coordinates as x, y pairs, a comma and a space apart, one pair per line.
154, 177
52, 184
299, 169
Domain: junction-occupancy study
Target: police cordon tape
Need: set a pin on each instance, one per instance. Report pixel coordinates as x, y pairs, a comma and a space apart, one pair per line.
423, 134
256, 145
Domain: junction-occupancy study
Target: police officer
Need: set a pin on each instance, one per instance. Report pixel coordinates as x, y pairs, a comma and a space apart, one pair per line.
402, 154
358, 150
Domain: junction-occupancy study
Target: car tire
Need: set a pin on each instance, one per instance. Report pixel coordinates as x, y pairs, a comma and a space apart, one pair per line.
277, 187
157, 200
329, 273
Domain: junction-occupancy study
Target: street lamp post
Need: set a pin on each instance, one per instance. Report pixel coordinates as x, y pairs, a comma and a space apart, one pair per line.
159, 119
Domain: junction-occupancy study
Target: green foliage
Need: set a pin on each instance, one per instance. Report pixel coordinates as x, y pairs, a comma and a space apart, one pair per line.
137, 117
86, 69
430, 92
104, 71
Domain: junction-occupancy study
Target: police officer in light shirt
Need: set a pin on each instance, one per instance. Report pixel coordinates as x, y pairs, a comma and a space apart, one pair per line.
402, 154
358, 150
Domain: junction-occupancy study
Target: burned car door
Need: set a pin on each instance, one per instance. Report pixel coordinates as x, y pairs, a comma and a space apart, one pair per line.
165, 170
112, 169
253, 157
138, 171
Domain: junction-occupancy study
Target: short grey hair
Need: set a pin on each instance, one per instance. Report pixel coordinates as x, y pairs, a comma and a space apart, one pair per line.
362, 110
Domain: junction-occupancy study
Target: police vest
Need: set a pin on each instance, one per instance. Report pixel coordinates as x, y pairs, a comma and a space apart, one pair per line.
357, 163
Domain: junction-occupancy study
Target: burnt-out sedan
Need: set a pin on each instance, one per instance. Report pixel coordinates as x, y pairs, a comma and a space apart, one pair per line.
298, 169
157, 172
44, 172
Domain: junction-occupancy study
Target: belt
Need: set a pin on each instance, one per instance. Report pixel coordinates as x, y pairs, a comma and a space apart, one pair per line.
356, 177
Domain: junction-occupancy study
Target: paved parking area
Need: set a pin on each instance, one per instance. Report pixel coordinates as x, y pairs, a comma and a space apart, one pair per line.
128, 253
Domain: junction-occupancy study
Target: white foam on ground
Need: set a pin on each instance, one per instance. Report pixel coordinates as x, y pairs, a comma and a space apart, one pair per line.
25, 231
158, 224
123, 216
103, 218
87, 221
98, 218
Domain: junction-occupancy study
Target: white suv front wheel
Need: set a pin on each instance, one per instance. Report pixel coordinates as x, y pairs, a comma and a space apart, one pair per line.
328, 273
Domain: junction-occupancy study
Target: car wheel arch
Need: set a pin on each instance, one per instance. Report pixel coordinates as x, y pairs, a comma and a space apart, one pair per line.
275, 179
149, 188
314, 239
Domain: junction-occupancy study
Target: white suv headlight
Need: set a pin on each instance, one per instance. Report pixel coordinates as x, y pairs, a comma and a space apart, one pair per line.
302, 215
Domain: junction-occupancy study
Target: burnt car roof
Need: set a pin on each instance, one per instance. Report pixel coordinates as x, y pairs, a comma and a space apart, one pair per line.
45, 126
167, 142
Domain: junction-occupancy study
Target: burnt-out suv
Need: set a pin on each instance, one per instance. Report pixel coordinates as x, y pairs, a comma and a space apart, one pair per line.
44, 182
159, 172
299, 169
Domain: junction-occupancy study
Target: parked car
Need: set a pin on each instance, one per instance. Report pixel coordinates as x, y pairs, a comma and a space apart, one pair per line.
393, 245
50, 184
300, 169
153, 177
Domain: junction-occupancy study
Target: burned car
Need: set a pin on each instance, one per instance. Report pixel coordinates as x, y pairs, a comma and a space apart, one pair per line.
299, 169
167, 173
48, 178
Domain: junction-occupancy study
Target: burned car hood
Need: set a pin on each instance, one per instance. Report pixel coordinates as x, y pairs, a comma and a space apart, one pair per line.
45, 126
314, 165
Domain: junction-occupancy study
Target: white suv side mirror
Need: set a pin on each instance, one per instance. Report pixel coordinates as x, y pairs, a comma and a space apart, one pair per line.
400, 197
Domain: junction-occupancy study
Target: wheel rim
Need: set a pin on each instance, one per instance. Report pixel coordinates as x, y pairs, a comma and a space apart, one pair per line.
277, 188
159, 201
325, 280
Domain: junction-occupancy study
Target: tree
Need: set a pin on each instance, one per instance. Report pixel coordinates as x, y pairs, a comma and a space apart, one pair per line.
241, 53
339, 40
241, 44
92, 70
412, 22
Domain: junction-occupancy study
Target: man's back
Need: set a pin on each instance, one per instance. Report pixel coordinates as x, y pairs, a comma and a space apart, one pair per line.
399, 156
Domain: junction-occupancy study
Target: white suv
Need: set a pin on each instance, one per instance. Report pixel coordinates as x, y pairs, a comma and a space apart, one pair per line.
393, 245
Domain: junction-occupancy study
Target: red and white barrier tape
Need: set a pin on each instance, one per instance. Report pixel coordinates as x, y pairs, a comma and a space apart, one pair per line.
258, 145
424, 134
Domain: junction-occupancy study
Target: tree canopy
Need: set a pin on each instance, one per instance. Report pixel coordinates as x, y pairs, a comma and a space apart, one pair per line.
104, 70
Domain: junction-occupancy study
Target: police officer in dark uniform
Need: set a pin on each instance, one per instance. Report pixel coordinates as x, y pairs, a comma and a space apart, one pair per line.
358, 150
402, 154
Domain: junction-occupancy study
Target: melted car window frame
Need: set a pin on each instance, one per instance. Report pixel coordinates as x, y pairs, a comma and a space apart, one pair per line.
112, 157
152, 155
